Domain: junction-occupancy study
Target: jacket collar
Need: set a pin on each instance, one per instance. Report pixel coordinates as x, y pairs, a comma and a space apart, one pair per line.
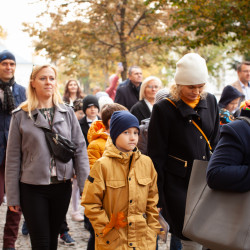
186, 110
113, 152
40, 121
134, 87
15, 89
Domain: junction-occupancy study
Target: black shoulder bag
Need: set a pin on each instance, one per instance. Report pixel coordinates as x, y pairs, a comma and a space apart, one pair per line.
59, 146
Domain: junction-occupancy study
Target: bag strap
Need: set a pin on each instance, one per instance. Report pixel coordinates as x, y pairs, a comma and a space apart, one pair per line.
196, 125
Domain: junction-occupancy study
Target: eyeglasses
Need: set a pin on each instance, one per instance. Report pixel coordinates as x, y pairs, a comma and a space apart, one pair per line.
152, 87
246, 71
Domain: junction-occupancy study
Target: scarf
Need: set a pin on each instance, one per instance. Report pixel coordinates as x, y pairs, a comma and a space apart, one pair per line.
8, 101
192, 104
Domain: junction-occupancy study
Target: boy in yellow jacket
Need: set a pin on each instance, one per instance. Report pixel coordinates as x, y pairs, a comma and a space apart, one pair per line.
120, 195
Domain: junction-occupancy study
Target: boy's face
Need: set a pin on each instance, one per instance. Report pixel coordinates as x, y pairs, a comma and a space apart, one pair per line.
91, 112
127, 140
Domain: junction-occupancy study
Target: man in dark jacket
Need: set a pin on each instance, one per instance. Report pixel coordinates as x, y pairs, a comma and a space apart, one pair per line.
128, 94
11, 95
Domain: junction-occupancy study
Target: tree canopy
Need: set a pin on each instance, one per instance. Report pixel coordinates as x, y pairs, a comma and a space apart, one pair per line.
207, 22
101, 32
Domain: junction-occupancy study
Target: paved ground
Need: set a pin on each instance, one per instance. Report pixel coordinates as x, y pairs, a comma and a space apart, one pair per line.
77, 231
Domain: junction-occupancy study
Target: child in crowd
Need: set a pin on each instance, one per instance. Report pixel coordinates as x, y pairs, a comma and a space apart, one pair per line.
78, 105
99, 131
97, 137
90, 109
120, 195
229, 104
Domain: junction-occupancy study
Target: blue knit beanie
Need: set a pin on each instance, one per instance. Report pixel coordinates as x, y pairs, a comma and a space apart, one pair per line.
5, 54
121, 121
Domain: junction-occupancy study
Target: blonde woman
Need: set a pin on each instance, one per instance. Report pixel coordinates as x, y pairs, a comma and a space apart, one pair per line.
174, 141
143, 108
36, 181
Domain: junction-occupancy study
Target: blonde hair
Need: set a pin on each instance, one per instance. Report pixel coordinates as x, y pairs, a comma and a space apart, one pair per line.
175, 92
32, 101
144, 85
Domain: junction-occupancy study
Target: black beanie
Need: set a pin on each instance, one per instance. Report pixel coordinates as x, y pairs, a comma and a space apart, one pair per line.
5, 54
121, 121
89, 101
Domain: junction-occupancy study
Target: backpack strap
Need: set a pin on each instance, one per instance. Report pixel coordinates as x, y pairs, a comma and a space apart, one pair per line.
196, 125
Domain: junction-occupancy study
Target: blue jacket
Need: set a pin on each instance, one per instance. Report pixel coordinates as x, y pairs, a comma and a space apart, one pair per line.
229, 166
19, 94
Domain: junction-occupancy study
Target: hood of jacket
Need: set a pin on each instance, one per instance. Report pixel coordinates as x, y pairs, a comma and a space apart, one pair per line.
229, 94
97, 130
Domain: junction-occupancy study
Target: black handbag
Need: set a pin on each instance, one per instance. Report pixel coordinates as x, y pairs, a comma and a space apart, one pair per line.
60, 147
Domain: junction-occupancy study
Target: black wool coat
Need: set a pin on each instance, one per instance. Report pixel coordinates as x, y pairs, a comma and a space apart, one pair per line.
140, 110
127, 95
173, 143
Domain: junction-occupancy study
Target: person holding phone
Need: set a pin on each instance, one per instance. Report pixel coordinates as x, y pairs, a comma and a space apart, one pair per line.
113, 82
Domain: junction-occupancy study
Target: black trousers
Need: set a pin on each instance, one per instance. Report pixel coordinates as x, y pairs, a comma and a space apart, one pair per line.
44, 208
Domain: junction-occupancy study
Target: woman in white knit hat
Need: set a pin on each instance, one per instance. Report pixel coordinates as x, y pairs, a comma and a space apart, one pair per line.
174, 141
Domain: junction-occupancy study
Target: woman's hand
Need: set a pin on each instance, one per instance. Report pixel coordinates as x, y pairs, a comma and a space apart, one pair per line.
15, 209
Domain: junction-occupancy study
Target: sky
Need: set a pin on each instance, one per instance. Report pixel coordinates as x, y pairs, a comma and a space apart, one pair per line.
12, 14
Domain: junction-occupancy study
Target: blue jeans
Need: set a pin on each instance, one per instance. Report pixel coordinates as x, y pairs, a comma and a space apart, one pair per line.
175, 243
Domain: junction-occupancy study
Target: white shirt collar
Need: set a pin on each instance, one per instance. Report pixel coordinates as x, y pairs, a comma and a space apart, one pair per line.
89, 121
150, 106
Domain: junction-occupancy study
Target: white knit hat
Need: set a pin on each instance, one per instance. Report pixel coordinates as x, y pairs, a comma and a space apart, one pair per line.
104, 100
191, 69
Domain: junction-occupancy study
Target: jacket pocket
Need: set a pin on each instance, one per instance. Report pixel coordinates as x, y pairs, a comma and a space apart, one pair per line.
109, 241
144, 181
142, 190
176, 166
115, 183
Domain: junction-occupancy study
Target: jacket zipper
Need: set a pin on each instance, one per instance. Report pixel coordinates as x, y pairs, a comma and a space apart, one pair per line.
185, 162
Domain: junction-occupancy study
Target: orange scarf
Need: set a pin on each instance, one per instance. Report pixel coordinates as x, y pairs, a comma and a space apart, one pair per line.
192, 104
116, 221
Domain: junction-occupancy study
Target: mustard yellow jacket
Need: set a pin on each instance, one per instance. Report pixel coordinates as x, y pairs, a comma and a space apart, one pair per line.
97, 138
123, 182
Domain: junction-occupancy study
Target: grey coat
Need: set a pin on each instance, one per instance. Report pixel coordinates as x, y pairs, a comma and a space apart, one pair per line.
28, 156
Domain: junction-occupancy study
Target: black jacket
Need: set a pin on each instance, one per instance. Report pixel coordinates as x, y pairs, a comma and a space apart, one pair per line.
140, 110
127, 95
174, 140
229, 167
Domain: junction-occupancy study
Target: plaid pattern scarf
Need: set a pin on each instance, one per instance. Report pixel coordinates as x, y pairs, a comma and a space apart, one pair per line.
8, 101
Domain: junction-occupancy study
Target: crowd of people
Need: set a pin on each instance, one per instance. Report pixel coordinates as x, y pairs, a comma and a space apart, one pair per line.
134, 144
